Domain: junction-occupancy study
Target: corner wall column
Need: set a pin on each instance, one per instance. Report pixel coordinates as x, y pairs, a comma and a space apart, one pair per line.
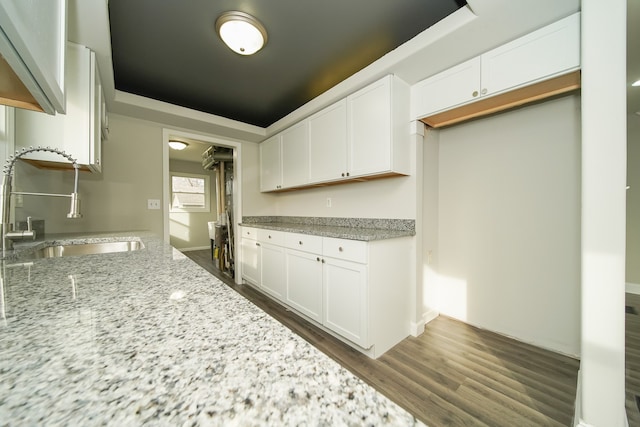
601, 393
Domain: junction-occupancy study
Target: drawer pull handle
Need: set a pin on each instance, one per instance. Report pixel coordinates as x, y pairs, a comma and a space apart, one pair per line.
323, 260
300, 242
269, 236
257, 244
317, 258
340, 249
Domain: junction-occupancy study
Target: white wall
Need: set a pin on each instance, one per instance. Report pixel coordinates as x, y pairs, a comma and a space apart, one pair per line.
384, 198
189, 230
509, 223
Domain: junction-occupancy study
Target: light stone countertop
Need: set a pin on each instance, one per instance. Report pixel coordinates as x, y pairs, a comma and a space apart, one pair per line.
366, 229
149, 337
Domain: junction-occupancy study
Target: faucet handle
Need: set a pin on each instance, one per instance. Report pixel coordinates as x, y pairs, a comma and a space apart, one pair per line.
29, 224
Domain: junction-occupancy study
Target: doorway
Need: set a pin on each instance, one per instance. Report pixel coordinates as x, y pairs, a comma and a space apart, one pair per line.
202, 193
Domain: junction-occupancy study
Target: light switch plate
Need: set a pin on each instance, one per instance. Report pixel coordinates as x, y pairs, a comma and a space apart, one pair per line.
153, 204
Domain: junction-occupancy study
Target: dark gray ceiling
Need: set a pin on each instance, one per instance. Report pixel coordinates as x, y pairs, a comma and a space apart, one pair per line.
168, 50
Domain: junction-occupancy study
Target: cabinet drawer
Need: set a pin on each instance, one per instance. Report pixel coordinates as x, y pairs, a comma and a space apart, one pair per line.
350, 250
271, 236
304, 242
250, 233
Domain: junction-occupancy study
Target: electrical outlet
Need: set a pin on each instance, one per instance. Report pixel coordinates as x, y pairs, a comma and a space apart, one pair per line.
328, 202
153, 204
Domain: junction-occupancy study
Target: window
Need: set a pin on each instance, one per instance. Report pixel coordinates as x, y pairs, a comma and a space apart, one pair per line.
190, 193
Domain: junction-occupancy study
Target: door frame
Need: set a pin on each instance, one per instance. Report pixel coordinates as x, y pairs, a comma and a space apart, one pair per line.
237, 183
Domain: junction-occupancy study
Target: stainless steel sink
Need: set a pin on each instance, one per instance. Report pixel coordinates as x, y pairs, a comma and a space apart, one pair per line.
87, 249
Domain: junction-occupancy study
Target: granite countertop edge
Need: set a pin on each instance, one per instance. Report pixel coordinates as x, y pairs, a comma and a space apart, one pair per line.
350, 233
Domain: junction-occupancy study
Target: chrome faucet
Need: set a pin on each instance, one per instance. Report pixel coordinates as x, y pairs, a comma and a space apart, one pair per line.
6, 230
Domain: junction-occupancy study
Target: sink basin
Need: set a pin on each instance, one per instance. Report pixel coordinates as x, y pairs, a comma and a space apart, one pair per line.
87, 249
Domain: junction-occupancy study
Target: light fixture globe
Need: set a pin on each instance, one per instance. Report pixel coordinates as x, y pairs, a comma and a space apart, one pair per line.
177, 144
240, 31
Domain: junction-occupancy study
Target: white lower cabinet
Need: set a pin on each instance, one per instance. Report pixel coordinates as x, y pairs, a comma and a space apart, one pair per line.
272, 278
250, 260
345, 299
356, 290
304, 283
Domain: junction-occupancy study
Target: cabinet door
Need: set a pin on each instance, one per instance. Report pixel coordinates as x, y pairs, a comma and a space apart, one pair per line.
73, 132
369, 113
95, 148
271, 164
328, 143
304, 283
295, 155
545, 53
250, 261
272, 275
33, 35
447, 89
345, 299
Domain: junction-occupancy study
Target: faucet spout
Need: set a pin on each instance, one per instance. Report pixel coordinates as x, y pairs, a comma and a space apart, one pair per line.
6, 228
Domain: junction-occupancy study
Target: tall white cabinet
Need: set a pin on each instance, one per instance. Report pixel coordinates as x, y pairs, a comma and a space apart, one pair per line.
79, 131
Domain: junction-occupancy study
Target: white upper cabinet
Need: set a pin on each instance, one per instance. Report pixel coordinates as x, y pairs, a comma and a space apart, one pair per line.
78, 131
33, 35
363, 135
378, 129
295, 155
271, 164
328, 143
455, 86
549, 52
552, 50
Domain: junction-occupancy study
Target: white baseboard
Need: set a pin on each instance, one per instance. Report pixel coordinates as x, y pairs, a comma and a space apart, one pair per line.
417, 328
633, 288
429, 315
195, 248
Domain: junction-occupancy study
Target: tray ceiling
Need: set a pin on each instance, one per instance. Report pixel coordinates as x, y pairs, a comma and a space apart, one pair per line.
168, 50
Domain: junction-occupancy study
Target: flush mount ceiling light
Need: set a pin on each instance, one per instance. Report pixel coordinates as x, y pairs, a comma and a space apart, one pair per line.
177, 145
243, 33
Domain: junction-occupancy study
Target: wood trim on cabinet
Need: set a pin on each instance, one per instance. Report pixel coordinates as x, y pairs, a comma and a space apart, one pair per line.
13, 92
45, 164
339, 182
511, 99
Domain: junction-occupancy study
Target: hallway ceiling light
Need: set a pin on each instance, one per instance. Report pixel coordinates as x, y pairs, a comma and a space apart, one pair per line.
240, 31
177, 145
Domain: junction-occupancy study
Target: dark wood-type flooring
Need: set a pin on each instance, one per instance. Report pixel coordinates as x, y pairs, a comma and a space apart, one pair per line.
451, 375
